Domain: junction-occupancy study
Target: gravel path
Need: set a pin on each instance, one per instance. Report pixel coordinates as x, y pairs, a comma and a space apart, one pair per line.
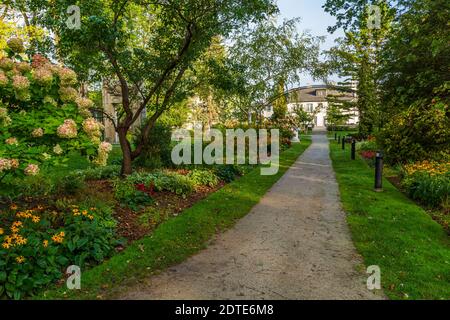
295, 244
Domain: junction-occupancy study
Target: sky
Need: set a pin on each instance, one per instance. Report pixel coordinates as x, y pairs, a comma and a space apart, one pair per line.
314, 19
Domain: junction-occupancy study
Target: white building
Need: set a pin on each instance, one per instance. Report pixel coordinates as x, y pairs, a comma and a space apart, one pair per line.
313, 99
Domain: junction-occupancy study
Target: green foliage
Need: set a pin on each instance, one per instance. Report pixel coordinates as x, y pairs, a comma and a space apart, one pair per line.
128, 195
39, 244
203, 178
42, 117
418, 133
416, 57
160, 64
433, 191
227, 172
101, 173
156, 152
180, 237
271, 56
370, 145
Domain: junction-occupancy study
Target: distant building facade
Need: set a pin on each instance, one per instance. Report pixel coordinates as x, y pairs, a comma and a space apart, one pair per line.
314, 99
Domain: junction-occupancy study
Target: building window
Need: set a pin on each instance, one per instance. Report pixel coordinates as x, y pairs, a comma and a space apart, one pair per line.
310, 107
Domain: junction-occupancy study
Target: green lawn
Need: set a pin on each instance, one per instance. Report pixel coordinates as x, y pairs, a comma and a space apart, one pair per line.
391, 231
180, 237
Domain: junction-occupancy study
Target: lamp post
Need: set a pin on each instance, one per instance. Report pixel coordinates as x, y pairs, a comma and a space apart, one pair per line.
379, 172
353, 149
343, 143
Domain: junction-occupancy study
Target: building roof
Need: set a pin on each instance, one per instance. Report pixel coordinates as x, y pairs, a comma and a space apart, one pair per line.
317, 93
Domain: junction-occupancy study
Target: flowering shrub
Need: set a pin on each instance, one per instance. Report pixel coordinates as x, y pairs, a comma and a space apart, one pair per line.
38, 244
428, 182
369, 155
42, 116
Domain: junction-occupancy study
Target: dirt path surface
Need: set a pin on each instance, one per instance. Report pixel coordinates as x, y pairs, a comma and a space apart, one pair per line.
295, 244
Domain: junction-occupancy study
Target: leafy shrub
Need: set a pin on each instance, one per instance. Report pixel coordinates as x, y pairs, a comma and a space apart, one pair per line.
367, 145
69, 184
157, 152
42, 117
226, 172
419, 133
164, 181
126, 192
203, 178
38, 244
342, 128
101, 173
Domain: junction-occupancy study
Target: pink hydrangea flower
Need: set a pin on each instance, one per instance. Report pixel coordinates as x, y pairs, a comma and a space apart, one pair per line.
58, 150
39, 61
43, 76
68, 94
5, 164
37, 133
6, 64
68, 129
32, 170
3, 79
23, 66
20, 82
12, 141
67, 76
103, 153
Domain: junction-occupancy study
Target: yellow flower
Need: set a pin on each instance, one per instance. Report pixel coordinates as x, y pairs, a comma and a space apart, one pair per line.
84, 212
13, 207
62, 234
21, 240
45, 243
20, 259
17, 224
58, 238
1, 231
6, 245
36, 219
90, 217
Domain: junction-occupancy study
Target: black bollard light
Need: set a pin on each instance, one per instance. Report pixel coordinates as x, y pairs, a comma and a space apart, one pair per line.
379, 172
335, 136
343, 143
353, 149
339, 139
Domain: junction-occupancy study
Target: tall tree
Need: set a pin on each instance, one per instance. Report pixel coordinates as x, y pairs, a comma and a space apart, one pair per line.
148, 46
357, 58
272, 54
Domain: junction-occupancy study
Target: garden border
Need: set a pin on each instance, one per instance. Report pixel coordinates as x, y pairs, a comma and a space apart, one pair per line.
391, 231
180, 237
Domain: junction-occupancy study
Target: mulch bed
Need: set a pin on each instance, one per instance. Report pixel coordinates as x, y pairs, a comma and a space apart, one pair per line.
128, 224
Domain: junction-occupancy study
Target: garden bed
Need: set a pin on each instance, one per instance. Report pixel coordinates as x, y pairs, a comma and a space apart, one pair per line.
179, 237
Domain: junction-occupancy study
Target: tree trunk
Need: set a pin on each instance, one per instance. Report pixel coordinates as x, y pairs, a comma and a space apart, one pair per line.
126, 151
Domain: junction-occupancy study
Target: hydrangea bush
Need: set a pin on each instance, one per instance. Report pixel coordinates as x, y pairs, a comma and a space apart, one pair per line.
42, 116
